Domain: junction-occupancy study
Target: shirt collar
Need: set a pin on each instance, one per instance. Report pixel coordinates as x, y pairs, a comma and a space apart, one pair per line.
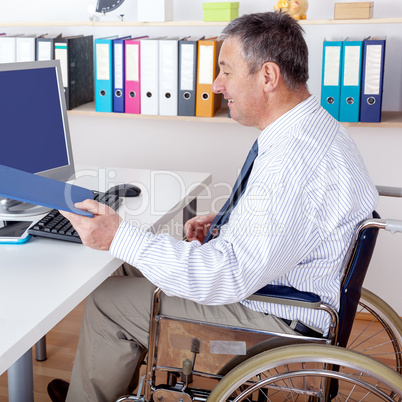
275, 130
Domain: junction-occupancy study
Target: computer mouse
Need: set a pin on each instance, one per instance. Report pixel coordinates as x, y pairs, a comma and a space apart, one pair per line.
125, 190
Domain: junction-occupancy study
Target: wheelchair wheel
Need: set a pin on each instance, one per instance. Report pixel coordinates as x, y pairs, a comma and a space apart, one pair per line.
377, 331
303, 373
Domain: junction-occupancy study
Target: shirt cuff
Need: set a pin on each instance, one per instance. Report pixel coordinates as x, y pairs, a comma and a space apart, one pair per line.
129, 242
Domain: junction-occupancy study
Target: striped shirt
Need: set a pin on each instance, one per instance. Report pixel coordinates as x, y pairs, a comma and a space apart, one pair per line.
307, 192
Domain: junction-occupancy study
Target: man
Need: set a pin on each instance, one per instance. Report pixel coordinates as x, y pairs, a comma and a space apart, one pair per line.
306, 192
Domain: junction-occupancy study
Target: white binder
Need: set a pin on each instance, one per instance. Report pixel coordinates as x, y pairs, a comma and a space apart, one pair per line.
168, 76
149, 62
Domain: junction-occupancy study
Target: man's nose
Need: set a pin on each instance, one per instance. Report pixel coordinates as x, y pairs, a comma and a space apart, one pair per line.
217, 86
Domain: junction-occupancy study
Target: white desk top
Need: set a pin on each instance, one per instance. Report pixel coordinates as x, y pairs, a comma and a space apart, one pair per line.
44, 279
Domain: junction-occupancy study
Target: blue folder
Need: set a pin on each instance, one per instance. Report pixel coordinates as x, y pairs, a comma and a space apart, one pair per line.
372, 80
331, 77
104, 74
119, 74
349, 108
27, 187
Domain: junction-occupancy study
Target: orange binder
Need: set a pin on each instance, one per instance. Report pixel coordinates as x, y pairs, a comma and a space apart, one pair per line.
207, 103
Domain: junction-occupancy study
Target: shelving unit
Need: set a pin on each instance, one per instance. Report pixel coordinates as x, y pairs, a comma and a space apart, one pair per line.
389, 119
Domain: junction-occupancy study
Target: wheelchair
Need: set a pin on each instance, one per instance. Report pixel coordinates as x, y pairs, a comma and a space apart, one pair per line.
196, 361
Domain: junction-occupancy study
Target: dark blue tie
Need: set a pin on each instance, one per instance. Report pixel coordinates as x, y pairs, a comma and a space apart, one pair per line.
237, 192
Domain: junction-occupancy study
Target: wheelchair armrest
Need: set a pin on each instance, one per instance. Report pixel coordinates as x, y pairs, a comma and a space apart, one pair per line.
389, 191
286, 295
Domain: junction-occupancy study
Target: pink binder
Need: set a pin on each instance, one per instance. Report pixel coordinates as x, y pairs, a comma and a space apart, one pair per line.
132, 93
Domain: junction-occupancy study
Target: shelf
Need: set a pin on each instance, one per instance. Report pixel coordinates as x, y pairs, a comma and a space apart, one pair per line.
389, 119
189, 23
89, 110
353, 22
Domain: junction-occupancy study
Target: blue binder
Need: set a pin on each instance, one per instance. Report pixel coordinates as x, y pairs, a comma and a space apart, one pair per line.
27, 187
104, 74
331, 77
349, 108
119, 74
372, 80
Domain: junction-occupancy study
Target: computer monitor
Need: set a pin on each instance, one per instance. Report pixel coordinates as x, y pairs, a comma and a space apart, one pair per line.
34, 132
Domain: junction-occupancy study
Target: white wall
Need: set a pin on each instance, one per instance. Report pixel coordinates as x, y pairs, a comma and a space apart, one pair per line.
221, 148
188, 10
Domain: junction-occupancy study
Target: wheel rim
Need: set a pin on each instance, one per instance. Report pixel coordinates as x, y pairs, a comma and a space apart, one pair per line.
271, 375
385, 328
277, 387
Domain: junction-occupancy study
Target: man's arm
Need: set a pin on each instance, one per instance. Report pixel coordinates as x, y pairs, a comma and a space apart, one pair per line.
97, 232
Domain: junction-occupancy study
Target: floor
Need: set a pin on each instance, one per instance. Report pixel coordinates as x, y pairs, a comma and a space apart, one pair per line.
61, 346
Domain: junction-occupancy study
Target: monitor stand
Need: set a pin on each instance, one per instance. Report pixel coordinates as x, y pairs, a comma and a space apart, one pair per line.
12, 208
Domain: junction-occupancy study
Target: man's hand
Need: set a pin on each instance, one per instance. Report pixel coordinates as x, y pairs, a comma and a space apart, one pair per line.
97, 232
197, 228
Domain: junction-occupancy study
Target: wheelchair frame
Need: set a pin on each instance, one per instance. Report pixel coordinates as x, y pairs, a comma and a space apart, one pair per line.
326, 359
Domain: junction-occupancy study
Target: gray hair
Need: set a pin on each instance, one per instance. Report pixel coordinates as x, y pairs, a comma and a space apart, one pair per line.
274, 37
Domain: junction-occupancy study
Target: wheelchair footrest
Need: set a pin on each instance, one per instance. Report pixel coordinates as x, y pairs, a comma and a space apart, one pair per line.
168, 395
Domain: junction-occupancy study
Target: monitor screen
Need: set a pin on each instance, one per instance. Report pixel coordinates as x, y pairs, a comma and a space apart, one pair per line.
34, 134
34, 128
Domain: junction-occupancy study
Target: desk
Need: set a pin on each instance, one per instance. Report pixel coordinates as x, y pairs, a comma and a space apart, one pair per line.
44, 279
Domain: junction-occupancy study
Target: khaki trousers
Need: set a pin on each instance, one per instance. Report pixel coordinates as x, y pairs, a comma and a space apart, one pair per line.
115, 331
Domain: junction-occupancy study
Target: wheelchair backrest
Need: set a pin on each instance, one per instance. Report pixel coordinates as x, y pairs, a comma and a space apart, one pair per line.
353, 279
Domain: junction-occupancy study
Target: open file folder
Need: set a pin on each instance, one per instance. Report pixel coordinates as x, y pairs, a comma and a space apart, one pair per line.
27, 187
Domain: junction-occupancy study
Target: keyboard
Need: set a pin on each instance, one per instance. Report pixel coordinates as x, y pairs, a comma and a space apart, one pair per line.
55, 226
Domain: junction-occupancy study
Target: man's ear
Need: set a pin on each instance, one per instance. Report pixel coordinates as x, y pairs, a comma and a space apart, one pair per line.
271, 73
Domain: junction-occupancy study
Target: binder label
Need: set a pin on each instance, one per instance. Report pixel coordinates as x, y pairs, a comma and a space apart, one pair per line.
187, 67
373, 69
331, 66
60, 53
8, 50
206, 65
132, 62
169, 70
118, 65
44, 50
351, 70
102, 61
25, 49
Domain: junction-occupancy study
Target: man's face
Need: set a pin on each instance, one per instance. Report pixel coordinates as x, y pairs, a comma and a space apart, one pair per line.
243, 91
